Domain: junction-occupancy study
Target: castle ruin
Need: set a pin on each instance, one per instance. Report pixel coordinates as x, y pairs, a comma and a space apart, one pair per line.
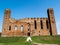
37, 26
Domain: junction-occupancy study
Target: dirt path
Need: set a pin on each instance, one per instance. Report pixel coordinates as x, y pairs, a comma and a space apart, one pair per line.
43, 44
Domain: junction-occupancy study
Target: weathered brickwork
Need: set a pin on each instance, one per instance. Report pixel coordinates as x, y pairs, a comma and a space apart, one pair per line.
37, 26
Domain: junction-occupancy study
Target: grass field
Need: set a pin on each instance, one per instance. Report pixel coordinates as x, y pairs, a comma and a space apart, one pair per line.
22, 40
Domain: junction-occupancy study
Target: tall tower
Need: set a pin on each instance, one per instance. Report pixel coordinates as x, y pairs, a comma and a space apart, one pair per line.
5, 21
52, 22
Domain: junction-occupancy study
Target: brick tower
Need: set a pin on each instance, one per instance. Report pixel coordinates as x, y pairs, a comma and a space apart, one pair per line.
6, 21
52, 22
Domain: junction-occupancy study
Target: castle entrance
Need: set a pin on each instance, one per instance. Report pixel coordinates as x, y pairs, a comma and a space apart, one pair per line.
28, 33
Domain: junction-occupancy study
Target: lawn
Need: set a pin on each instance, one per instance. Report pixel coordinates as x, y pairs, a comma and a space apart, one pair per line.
22, 40
14, 41
47, 39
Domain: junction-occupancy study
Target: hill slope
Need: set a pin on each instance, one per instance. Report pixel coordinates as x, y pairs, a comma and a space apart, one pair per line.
22, 40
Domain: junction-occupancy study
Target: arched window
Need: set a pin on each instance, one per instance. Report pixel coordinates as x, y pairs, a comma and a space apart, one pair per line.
35, 24
22, 28
9, 28
15, 28
28, 25
47, 24
41, 24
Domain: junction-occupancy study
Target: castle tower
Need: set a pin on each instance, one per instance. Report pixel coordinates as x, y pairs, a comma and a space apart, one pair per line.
52, 22
5, 21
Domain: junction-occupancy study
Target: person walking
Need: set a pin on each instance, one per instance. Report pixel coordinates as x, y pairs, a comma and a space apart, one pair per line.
28, 36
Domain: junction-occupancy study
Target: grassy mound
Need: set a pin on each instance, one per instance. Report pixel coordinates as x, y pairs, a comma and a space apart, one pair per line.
14, 41
22, 40
47, 39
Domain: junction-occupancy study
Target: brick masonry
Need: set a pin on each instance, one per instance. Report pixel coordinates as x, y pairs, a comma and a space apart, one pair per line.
36, 26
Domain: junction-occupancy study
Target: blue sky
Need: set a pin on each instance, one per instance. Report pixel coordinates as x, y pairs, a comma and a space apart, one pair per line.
30, 8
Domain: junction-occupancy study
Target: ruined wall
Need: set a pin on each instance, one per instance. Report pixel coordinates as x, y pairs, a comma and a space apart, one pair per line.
37, 26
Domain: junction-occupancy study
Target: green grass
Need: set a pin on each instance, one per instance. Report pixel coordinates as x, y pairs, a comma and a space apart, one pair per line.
22, 40
47, 39
14, 41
